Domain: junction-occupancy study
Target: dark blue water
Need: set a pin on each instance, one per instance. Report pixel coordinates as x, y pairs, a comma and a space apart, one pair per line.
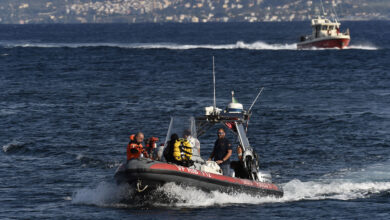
72, 94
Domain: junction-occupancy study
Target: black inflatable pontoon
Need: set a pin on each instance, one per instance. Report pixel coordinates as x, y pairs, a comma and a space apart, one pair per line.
148, 174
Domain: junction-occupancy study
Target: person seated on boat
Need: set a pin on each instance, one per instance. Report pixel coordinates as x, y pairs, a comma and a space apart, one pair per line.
135, 148
182, 152
195, 144
222, 152
238, 166
160, 153
168, 151
151, 146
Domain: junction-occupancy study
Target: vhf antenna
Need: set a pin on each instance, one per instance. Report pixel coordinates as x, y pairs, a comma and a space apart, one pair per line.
323, 10
215, 101
250, 108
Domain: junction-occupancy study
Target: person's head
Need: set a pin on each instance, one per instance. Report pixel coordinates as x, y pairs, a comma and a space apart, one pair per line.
221, 133
186, 133
139, 137
174, 137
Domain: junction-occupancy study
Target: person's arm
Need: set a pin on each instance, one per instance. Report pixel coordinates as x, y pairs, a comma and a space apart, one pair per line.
226, 157
239, 152
144, 152
212, 155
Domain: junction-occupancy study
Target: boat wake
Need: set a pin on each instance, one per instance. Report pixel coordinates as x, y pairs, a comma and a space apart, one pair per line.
350, 47
104, 194
343, 185
258, 45
361, 47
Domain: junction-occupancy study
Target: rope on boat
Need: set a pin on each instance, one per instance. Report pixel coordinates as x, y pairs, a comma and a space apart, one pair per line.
139, 185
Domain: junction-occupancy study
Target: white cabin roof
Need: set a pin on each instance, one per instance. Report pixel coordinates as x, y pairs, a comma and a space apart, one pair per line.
323, 21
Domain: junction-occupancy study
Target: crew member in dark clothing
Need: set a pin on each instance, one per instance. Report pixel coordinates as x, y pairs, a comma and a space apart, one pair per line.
222, 152
238, 166
168, 151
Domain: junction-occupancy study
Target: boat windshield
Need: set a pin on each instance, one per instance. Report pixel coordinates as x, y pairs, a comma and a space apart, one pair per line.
184, 127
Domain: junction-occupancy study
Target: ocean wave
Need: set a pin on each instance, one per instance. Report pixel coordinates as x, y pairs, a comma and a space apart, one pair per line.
13, 146
8, 112
89, 161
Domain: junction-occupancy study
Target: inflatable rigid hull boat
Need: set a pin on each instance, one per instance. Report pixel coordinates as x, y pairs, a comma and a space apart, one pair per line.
148, 174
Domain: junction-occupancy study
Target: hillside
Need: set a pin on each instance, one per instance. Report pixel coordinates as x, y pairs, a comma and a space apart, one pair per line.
135, 11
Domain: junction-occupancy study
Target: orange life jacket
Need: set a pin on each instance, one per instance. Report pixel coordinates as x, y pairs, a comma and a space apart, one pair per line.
135, 149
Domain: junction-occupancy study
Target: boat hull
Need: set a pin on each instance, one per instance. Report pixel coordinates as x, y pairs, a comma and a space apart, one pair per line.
325, 43
153, 174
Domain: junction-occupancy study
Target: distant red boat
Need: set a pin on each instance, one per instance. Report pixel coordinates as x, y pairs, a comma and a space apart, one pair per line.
325, 34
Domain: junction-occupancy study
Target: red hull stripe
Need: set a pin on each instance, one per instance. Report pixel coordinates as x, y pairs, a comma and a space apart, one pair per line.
332, 43
165, 166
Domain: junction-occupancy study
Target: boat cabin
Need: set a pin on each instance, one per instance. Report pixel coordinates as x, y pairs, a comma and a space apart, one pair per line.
323, 27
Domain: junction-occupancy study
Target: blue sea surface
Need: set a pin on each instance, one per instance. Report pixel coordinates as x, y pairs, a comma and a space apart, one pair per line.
72, 94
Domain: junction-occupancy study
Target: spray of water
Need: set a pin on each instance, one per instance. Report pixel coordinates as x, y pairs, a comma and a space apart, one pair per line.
104, 194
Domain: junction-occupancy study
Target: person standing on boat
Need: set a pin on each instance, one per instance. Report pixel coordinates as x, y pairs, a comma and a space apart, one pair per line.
135, 148
238, 166
222, 152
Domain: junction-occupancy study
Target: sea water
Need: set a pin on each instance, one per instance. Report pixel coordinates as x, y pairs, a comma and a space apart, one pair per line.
72, 94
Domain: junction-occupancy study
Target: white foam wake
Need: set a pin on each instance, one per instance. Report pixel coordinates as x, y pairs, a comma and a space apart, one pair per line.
295, 190
259, 45
362, 47
343, 185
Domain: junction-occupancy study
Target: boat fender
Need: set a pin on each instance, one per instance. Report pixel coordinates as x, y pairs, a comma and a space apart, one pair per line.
211, 167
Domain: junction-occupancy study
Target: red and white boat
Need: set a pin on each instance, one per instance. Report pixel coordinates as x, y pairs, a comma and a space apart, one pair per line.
325, 34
